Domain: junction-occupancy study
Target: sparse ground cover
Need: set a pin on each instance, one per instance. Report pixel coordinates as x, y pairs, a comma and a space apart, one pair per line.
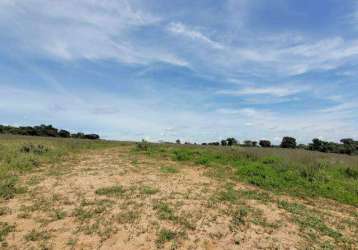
122, 196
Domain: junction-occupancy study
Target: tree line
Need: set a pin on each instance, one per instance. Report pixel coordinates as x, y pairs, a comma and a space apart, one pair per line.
346, 145
45, 130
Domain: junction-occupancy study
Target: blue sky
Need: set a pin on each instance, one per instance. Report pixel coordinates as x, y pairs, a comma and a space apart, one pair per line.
194, 70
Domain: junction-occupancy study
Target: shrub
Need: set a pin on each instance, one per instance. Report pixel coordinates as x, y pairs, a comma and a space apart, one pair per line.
35, 149
265, 143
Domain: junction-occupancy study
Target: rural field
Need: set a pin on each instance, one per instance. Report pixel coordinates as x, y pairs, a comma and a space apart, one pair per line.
81, 194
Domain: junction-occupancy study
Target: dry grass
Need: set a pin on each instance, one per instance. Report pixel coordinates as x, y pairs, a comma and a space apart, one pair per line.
118, 198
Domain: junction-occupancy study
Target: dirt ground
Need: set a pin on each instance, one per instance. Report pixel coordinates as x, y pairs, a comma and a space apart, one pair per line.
119, 199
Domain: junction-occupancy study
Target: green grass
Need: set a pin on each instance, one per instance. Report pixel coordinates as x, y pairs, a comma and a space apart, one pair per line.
114, 191
169, 170
5, 229
22, 154
165, 235
148, 190
164, 211
285, 171
37, 235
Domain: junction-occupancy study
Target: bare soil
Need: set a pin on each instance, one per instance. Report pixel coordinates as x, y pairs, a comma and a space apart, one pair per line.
156, 209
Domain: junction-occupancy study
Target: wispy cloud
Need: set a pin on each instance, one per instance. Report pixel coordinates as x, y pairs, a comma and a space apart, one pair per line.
278, 91
181, 29
92, 30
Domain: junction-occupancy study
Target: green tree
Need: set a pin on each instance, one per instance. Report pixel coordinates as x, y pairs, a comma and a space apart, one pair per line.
288, 142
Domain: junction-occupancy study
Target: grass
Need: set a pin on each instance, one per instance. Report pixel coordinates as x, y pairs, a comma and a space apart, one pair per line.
114, 191
165, 235
147, 190
168, 170
164, 211
5, 229
284, 171
22, 154
128, 217
34, 235
307, 219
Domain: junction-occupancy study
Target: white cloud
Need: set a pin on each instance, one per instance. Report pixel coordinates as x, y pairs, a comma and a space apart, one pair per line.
181, 29
82, 29
277, 91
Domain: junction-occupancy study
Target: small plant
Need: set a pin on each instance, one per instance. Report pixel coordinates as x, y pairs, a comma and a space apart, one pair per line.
5, 229
239, 216
35, 149
8, 187
143, 146
165, 235
128, 217
168, 170
164, 211
351, 173
111, 191
34, 235
148, 190
230, 195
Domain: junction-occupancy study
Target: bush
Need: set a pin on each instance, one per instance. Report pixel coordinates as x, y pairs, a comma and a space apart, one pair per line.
265, 143
34, 149
288, 142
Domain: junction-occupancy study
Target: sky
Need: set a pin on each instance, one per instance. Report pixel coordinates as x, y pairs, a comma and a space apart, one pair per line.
198, 71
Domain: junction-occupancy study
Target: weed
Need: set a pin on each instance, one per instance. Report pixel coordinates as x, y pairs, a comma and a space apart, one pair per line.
34, 235
128, 217
4, 211
148, 190
164, 211
165, 235
168, 170
229, 194
239, 216
5, 229
113, 191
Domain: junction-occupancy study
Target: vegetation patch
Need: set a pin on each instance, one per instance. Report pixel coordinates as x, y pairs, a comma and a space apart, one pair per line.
169, 170
148, 190
5, 229
114, 191
296, 172
34, 235
308, 220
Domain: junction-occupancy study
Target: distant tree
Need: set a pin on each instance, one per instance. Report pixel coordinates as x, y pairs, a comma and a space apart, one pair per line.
301, 146
254, 143
78, 135
247, 143
347, 141
214, 143
177, 141
223, 143
204, 144
92, 136
231, 141
288, 142
265, 143
64, 133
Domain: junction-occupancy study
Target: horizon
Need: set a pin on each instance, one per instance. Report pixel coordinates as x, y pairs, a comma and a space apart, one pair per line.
198, 72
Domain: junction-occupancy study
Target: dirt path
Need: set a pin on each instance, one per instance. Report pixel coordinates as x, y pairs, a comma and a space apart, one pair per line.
117, 199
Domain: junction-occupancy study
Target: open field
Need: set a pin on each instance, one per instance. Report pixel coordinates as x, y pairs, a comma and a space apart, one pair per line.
79, 194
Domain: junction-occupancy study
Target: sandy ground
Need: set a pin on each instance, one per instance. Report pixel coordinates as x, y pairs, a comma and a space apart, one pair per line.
117, 199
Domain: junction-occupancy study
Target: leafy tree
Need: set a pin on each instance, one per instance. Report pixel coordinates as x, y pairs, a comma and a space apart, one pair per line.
92, 136
288, 142
223, 143
347, 141
231, 141
177, 141
64, 133
265, 143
